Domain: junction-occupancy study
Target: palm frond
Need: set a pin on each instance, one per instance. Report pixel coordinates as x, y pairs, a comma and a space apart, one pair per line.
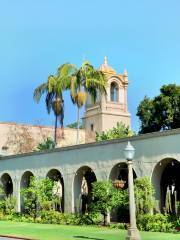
39, 91
66, 69
97, 80
64, 75
93, 93
73, 88
87, 67
64, 82
51, 83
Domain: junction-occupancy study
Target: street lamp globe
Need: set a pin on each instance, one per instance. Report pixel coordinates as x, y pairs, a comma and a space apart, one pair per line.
129, 152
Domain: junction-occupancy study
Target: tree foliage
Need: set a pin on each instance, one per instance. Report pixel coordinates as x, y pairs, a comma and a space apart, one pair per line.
106, 197
37, 196
53, 91
119, 131
7, 203
80, 81
162, 112
86, 80
74, 125
46, 145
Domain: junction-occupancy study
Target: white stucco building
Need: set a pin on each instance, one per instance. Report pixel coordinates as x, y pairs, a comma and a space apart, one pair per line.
157, 156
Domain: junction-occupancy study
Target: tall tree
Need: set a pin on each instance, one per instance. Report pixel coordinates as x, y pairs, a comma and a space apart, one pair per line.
105, 197
161, 112
53, 90
86, 80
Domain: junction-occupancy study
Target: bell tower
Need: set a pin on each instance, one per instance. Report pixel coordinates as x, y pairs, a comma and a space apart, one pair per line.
109, 109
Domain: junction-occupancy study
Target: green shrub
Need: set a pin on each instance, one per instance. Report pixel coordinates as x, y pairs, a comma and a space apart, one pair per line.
1, 216
177, 224
118, 226
144, 195
68, 219
155, 223
48, 144
105, 198
71, 219
7, 205
88, 219
120, 131
10, 204
51, 216
147, 222
178, 208
2, 206
37, 196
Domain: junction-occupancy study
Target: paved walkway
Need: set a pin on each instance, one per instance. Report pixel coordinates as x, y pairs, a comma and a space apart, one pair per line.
5, 238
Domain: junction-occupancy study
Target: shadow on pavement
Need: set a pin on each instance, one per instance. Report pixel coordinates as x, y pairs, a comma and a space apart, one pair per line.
83, 237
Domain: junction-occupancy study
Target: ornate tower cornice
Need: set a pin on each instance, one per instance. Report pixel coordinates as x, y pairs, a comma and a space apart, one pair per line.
109, 109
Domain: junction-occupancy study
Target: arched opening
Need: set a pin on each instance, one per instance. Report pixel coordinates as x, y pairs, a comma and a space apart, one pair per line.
166, 181
7, 184
114, 92
58, 188
25, 179
120, 172
25, 182
83, 180
119, 175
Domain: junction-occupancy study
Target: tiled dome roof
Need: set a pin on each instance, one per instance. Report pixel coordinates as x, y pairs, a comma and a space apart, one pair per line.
106, 68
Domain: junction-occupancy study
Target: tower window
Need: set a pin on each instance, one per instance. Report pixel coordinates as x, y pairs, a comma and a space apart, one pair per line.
92, 127
114, 92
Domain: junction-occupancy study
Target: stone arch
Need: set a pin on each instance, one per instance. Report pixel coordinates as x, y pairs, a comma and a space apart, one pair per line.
25, 181
115, 79
166, 178
82, 187
120, 172
58, 189
7, 184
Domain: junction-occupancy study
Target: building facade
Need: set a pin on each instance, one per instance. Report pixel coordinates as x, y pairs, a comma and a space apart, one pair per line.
157, 156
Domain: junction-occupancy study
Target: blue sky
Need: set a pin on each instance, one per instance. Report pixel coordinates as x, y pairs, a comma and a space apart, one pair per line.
38, 36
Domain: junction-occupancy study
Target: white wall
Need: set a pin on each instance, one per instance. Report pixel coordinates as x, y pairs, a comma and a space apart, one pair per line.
100, 157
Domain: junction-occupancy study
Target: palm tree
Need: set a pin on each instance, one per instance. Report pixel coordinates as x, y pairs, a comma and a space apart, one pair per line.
86, 80
53, 90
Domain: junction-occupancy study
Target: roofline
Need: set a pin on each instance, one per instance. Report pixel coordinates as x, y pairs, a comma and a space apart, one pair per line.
95, 144
34, 126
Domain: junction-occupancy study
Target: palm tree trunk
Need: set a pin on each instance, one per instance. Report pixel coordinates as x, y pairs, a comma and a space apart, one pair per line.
55, 130
78, 116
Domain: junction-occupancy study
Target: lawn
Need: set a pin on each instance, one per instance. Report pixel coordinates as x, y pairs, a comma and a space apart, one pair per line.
60, 232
